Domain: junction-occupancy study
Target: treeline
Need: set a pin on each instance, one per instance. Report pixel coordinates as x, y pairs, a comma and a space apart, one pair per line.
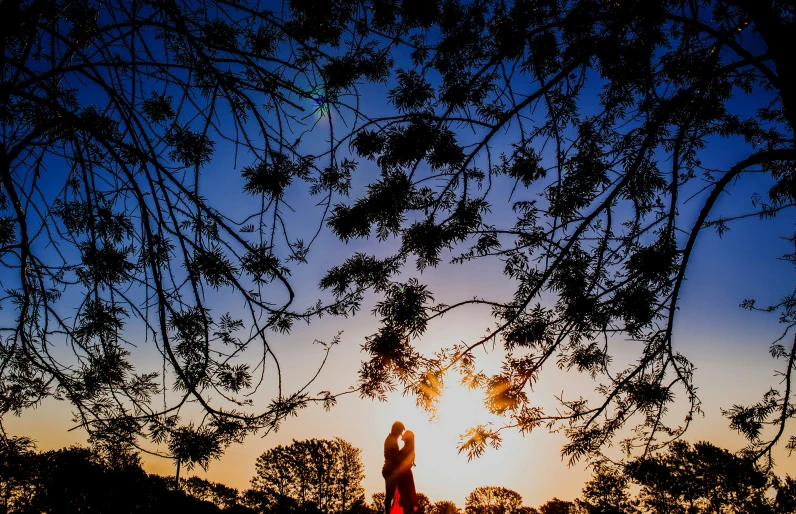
686, 479
320, 476
306, 477
82, 480
311, 476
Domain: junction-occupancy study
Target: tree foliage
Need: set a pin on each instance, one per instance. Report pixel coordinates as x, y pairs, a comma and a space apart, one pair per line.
686, 479
424, 505
607, 491
324, 474
601, 120
17, 472
80, 480
595, 121
556, 506
702, 478
223, 496
492, 500
112, 242
444, 507
377, 502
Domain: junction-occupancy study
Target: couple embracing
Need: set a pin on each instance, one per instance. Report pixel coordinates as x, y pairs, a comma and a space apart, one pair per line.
400, 494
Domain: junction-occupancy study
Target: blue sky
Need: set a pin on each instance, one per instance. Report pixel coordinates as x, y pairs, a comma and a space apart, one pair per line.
728, 345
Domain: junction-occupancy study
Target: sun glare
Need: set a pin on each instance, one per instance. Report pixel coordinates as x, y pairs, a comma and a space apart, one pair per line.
438, 438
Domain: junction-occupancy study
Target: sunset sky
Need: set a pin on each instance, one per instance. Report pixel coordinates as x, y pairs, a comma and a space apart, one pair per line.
728, 345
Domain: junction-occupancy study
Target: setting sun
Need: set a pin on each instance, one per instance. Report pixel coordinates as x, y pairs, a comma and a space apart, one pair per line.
438, 436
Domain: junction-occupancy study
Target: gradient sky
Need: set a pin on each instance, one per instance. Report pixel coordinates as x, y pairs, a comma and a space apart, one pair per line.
728, 345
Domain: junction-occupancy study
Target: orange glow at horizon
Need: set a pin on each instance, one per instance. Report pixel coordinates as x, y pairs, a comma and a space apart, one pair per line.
530, 464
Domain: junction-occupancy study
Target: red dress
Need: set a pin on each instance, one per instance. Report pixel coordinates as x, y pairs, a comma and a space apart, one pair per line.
405, 501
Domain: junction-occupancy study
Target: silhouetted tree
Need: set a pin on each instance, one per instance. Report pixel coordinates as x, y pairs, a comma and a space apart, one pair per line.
111, 112
267, 501
74, 481
698, 479
270, 502
18, 469
424, 505
526, 510
358, 507
785, 498
216, 493
239, 509
556, 506
80, 480
325, 473
348, 475
595, 121
377, 502
190, 446
607, 491
702, 478
492, 500
445, 507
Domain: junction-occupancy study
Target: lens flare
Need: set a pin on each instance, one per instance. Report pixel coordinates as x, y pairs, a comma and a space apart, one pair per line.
320, 108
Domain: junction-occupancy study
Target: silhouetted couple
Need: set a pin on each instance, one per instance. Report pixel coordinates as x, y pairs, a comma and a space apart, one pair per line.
400, 494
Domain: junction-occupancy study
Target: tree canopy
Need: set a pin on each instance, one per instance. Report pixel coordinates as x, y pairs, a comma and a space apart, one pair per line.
111, 113
556, 506
602, 118
492, 500
324, 473
444, 507
687, 479
79, 480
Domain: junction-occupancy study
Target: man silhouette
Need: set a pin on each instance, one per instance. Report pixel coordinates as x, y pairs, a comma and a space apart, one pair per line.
391, 463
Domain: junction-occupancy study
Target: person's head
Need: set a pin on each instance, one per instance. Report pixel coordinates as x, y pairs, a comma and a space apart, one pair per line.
397, 429
409, 439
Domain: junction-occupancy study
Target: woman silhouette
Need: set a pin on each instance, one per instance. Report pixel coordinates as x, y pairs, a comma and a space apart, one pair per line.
405, 501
